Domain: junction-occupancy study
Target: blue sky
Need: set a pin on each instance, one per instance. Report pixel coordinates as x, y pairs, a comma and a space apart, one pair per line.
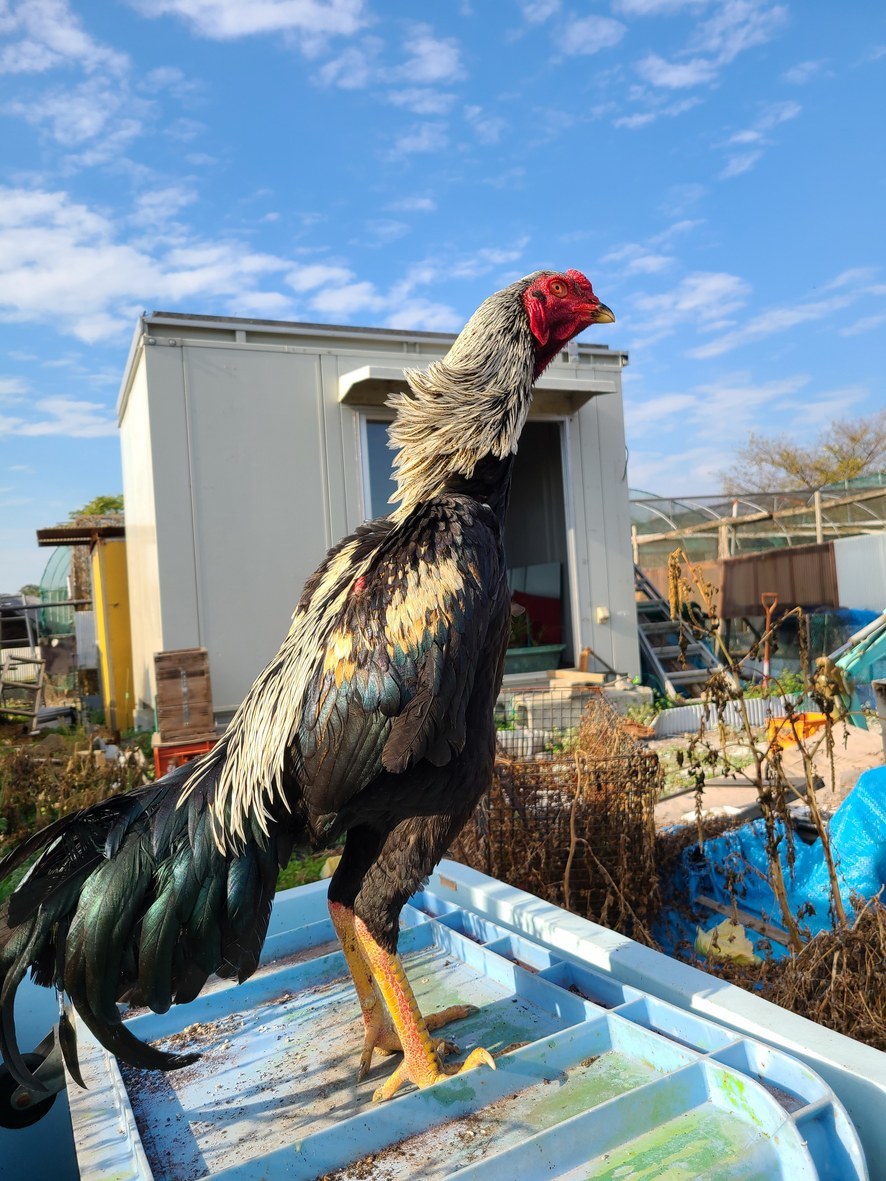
716, 167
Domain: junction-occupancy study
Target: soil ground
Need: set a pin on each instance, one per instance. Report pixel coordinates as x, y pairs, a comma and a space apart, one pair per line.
855, 751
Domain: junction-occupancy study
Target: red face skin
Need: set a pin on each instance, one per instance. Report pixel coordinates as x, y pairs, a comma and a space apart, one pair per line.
559, 306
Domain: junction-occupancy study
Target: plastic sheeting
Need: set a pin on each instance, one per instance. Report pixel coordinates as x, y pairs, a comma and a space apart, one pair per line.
738, 859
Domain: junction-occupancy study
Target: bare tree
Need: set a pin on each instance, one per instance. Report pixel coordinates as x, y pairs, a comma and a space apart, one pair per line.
844, 450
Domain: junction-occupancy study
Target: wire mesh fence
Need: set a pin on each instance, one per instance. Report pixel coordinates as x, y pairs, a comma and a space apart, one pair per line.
570, 816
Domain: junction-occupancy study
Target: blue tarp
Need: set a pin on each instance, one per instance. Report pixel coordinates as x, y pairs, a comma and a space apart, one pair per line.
858, 843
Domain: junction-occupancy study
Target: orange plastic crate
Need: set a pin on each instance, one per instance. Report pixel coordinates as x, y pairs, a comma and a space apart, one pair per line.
168, 755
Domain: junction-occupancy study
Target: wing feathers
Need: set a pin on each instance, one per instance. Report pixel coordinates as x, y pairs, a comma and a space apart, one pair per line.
397, 674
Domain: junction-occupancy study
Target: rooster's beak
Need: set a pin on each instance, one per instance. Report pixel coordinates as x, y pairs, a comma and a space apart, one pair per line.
603, 315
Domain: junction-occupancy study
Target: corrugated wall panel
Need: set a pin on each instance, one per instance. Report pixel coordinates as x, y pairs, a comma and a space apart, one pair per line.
687, 718
801, 576
861, 572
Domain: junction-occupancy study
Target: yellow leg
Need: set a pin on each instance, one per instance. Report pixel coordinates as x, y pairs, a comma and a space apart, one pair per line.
380, 1031
421, 1063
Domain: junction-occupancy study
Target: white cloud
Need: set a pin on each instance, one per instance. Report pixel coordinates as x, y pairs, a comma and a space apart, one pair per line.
382, 230
355, 68
73, 116
644, 118
736, 165
487, 128
222, 20
735, 26
10, 387
93, 122
341, 295
781, 319
50, 35
425, 137
702, 296
770, 117
865, 324
170, 78
656, 7
63, 416
154, 207
851, 277
536, 12
414, 205
679, 227
63, 263
422, 101
266, 304
424, 315
694, 468
651, 414
737, 399
676, 75
67, 265
803, 72
431, 60
590, 34
756, 137
637, 260
487, 259
678, 199
738, 25
317, 274
346, 299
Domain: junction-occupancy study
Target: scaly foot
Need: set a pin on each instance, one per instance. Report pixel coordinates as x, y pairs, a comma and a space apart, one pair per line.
381, 1034
427, 1073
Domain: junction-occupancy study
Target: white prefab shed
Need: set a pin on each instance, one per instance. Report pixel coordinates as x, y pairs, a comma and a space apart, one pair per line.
250, 447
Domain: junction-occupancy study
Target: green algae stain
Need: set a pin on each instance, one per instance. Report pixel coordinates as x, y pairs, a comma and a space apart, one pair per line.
587, 1086
452, 1092
733, 1089
704, 1142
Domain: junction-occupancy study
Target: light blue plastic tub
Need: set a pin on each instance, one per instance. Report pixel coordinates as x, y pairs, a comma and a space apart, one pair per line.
595, 1079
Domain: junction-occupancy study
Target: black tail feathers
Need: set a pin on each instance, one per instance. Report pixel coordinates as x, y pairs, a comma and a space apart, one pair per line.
132, 900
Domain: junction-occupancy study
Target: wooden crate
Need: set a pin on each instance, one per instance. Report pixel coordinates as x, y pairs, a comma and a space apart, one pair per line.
184, 695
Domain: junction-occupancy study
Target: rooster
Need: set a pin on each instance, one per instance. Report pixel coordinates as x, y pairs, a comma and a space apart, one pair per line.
373, 722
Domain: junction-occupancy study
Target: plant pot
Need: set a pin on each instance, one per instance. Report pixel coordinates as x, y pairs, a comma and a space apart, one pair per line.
538, 658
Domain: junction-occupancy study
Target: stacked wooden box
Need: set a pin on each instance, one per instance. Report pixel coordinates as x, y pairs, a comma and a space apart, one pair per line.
184, 694
184, 707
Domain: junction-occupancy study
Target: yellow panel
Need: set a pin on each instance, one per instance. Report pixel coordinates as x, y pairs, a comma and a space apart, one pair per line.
110, 589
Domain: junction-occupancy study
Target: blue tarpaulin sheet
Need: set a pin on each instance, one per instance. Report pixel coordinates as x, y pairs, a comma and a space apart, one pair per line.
737, 861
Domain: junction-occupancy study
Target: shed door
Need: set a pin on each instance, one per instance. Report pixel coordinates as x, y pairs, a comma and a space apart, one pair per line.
535, 531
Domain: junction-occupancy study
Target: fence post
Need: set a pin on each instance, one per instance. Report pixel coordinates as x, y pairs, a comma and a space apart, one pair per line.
879, 688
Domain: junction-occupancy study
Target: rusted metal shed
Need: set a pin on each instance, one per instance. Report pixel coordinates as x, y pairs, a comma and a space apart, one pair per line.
802, 576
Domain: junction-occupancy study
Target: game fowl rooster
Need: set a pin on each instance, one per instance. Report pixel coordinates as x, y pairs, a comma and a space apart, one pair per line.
374, 722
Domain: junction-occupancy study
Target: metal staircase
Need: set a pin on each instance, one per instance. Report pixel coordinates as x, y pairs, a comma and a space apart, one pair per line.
661, 654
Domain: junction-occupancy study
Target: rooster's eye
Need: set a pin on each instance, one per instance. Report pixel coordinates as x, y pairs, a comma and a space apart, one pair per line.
558, 287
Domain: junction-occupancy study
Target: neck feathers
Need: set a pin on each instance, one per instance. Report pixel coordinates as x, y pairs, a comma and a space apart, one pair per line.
470, 405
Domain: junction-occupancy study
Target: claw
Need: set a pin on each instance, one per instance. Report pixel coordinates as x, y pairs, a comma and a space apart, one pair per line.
382, 1036
402, 1074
